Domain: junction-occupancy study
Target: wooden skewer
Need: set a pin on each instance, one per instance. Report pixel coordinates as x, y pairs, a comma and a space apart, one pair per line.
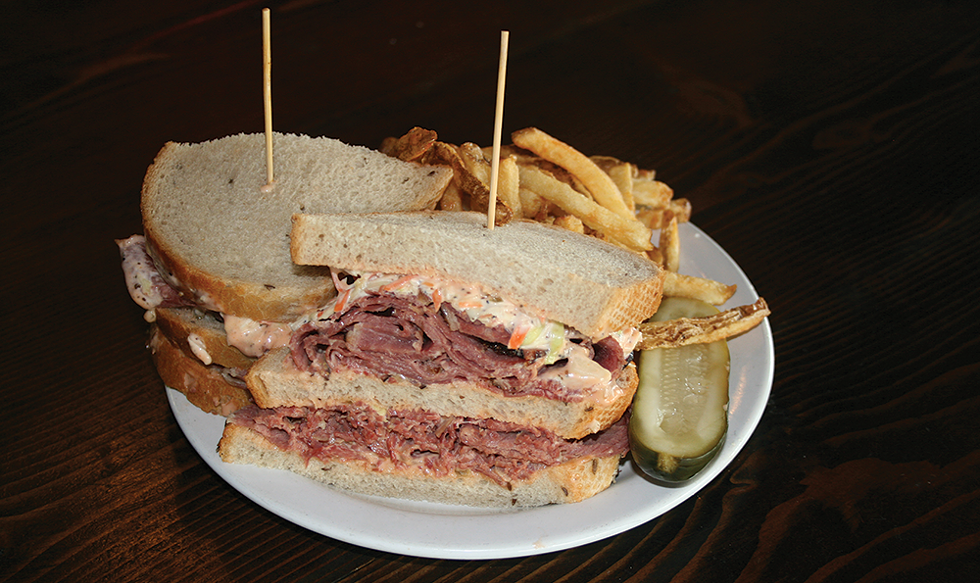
498, 124
267, 97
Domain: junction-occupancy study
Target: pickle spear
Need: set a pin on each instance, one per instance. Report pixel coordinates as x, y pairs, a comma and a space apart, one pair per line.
680, 411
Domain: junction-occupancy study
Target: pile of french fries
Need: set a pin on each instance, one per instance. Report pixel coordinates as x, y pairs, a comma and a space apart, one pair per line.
544, 179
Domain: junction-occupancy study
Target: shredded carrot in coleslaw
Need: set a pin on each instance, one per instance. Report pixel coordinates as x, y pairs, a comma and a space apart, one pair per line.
517, 337
397, 283
343, 293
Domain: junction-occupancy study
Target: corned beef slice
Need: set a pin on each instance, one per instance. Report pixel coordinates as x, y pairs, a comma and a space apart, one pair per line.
390, 335
439, 445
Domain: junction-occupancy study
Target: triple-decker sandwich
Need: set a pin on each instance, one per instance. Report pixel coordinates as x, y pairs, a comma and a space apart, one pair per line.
457, 364
212, 267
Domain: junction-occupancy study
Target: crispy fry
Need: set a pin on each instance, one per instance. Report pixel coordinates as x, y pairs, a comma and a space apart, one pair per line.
651, 193
560, 174
532, 205
658, 218
469, 166
388, 146
452, 198
628, 232
509, 184
699, 288
652, 218
442, 154
570, 222
684, 331
622, 174
474, 161
521, 155
670, 245
681, 208
599, 184
410, 147
656, 256
622, 177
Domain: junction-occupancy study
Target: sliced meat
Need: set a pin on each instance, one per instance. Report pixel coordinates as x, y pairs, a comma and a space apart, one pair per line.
442, 445
386, 334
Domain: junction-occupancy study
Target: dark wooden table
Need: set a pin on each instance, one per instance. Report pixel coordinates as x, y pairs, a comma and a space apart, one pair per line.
830, 147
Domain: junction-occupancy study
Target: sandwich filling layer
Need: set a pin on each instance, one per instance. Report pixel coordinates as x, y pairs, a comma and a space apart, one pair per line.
430, 331
425, 442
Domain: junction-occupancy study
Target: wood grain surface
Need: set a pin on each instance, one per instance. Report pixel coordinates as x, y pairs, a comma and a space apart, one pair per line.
830, 147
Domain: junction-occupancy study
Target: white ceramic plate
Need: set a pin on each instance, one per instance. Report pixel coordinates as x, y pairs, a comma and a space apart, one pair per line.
448, 532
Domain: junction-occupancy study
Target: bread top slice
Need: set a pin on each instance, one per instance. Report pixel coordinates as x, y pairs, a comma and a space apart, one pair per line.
580, 281
218, 237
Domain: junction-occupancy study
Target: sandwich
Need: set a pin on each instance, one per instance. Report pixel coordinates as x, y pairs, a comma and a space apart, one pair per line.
456, 364
212, 267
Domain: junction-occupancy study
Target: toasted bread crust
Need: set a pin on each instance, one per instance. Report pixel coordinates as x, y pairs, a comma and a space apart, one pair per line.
572, 481
204, 387
275, 382
254, 300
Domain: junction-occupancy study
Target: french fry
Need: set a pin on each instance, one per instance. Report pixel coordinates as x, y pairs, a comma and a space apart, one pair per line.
659, 217
670, 245
471, 173
532, 205
388, 146
521, 155
570, 222
475, 162
452, 198
652, 218
680, 208
698, 288
644, 174
509, 185
656, 256
441, 154
685, 331
626, 231
599, 184
410, 147
622, 174
651, 193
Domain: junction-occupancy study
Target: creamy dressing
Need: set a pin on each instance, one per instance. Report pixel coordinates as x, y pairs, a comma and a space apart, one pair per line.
579, 372
254, 338
139, 273
198, 348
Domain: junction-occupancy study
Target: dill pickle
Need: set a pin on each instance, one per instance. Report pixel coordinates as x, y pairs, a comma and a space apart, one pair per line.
680, 411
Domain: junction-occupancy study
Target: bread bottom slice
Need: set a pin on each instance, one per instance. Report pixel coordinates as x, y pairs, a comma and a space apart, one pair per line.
206, 387
572, 481
275, 382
